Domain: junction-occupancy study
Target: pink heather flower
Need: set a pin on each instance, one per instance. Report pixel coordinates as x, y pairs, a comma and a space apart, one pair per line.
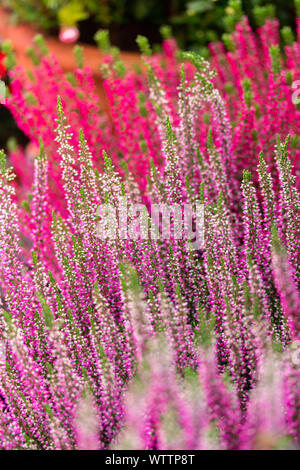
146, 343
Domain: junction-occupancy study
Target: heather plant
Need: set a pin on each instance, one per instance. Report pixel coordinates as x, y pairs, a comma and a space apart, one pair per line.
144, 342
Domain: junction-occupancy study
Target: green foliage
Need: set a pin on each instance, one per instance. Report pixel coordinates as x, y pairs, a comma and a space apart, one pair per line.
2, 161
10, 61
234, 13
102, 40
166, 32
41, 44
48, 317
261, 13
144, 46
73, 12
78, 53
33, 56
275, 57
228, 41
287, 35
248, 95
193, 22
276, 243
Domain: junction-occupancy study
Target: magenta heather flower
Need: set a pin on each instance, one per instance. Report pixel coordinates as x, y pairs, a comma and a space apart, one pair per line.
141, 339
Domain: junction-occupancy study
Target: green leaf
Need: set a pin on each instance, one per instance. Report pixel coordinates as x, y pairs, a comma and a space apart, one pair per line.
48, 317
2, 161
102, 40
78, 53
144, 46
40, 42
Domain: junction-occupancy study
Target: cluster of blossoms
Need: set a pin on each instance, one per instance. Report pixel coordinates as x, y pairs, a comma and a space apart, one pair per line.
145, 343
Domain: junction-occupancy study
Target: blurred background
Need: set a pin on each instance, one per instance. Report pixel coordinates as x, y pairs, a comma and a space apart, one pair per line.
194, 24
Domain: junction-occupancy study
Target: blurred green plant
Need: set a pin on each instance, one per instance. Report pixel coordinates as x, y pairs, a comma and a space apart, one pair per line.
195, 23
